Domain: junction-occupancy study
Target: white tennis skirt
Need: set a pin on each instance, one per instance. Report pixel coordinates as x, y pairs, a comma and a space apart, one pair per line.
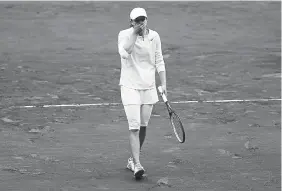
138, 97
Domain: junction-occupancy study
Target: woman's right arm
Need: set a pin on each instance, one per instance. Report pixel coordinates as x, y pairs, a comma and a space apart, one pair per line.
126, 42
129, 44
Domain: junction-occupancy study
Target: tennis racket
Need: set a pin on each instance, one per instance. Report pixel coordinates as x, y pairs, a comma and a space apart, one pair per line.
174, 119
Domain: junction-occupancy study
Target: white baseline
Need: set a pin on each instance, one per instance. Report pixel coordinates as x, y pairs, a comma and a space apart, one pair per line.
173, 102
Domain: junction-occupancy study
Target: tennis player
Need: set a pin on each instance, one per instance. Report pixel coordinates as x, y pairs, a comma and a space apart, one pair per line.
141, 56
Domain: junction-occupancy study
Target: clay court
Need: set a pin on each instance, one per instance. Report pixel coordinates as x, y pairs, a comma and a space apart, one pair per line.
65, 53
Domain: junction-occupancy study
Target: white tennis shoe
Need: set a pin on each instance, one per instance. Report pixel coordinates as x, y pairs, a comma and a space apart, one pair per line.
138, 171
130, 164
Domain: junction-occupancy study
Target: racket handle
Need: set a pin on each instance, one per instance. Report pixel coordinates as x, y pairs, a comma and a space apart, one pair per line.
162, 93
160, 89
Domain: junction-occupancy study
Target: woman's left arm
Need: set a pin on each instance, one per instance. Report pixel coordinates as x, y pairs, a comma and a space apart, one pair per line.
160, 64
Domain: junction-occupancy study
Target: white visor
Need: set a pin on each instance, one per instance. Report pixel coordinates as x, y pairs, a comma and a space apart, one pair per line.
137, 12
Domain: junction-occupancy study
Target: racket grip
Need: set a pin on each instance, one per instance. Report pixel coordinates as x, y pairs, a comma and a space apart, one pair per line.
160, 89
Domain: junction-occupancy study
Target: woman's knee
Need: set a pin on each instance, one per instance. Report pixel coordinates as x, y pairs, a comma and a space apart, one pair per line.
146, 111
133, 116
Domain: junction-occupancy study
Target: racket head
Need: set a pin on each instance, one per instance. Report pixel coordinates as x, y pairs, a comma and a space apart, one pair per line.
175, 120
177, 127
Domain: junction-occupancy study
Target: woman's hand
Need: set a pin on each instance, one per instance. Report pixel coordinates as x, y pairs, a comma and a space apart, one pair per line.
138, 28
164, 89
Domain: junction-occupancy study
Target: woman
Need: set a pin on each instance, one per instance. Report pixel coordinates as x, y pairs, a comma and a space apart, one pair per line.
141, 56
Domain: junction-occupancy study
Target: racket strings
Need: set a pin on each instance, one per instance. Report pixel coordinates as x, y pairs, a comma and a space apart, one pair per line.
176, 122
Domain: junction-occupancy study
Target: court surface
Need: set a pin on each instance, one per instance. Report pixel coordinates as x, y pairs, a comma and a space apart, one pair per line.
66, 53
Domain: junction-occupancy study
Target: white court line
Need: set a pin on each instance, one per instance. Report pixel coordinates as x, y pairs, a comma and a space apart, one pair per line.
174, 102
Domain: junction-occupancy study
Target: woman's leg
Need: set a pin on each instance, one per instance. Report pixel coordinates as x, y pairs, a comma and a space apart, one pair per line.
146, 111
133, 118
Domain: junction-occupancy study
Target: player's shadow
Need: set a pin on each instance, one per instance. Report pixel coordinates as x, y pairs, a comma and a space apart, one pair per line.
128, 175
